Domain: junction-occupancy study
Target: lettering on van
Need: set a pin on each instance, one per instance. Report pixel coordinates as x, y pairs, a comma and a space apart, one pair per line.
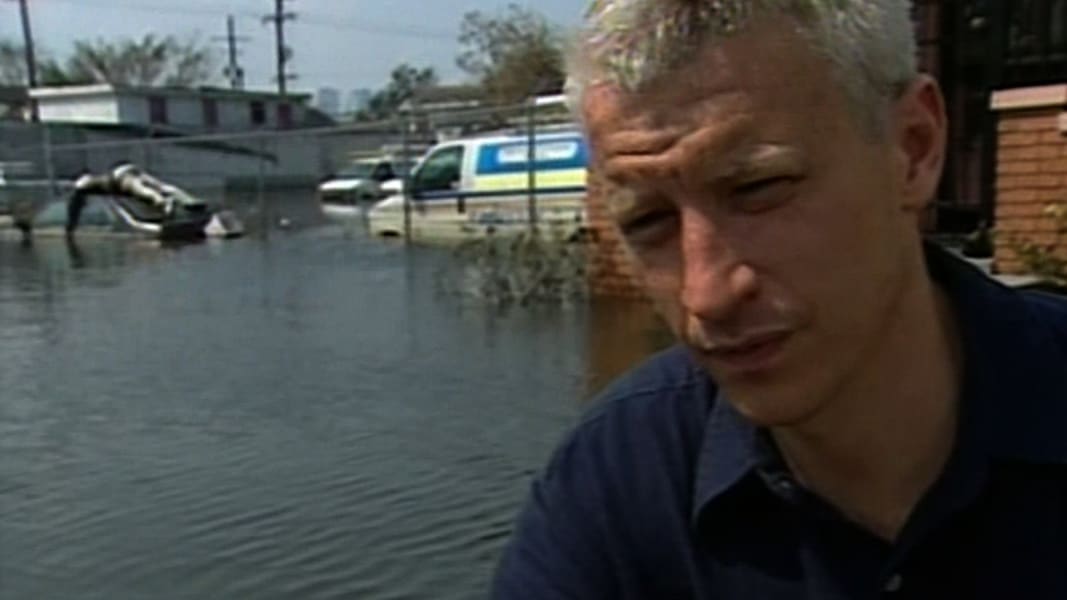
544, 152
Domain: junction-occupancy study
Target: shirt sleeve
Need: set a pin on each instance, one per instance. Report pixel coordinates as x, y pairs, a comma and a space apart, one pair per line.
558, 548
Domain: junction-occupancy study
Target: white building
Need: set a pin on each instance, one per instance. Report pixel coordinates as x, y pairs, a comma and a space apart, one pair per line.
190, 110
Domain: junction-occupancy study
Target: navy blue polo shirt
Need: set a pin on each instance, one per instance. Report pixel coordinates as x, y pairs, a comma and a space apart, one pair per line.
665, 492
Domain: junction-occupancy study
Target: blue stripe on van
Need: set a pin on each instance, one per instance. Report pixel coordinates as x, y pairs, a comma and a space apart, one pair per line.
512, 157
452, 194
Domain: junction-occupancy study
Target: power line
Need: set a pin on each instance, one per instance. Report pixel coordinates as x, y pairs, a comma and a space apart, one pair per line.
367, 27
153, 8
377, 29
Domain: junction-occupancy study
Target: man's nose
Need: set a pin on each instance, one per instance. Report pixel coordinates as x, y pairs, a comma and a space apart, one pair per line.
716, 281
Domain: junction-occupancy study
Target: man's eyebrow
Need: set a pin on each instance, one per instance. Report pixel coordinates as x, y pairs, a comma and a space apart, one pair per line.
750, 159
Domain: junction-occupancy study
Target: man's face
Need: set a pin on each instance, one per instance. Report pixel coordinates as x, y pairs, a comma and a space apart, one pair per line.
775, 234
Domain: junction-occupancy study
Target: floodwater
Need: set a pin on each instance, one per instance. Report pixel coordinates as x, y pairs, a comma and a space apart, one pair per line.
304, 415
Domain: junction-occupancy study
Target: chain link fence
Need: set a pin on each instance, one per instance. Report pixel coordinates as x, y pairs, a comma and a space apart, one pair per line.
269, 177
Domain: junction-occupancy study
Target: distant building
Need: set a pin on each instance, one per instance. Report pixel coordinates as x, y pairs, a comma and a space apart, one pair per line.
328, 100
180, 109
357, 100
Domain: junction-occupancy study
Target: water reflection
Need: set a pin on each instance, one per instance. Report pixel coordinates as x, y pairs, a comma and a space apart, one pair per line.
621, 334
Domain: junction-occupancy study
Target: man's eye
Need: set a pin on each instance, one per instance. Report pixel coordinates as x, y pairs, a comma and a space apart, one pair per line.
763, 194
649, 226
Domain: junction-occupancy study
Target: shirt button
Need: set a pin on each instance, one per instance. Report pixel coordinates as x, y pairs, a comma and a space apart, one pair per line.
894, 583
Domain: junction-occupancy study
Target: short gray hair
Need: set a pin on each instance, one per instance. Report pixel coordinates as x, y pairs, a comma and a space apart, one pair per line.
628, 43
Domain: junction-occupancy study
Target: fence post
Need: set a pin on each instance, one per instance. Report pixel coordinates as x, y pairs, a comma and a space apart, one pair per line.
49, 167
531, 163
407, 179
261, 201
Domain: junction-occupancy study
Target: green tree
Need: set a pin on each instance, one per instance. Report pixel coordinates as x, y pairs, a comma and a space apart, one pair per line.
1048, 260
12, 64
149, 61
513, 54
404, 82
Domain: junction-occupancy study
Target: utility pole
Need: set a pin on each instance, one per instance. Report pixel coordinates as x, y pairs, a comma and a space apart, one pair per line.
233, 70
31, 60
284, 53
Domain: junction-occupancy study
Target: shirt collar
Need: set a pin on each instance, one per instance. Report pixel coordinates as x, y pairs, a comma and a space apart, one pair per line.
1014, 393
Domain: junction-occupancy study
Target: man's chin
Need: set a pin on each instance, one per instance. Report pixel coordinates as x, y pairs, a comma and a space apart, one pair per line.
773, 411
768, 399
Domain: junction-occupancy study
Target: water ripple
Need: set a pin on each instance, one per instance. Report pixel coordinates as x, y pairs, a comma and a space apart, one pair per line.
304, 418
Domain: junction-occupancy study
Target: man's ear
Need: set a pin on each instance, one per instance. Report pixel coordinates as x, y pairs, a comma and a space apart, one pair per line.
919, 131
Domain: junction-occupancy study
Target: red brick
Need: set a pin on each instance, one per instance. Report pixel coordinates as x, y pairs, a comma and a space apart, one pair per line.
1044, 181
1012, 182
1019, 153
1048, 225
1009, 140
1009, 267
1017, 225
1051, 195
1049, 151
1041, 121
1017, 167
1009, 125
1052, 137
1057, 165
1018, 210
611, 271
1017, 196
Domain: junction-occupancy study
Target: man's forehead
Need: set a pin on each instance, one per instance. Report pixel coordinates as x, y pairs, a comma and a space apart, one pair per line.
620, 124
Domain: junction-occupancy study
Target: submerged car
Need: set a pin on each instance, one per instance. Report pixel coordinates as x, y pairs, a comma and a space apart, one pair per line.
129, 201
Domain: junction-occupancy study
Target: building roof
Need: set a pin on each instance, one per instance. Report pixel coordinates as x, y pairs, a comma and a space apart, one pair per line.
107, 89
445, 97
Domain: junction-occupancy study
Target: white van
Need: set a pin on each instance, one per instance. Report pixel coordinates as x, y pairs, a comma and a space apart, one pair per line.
477, 186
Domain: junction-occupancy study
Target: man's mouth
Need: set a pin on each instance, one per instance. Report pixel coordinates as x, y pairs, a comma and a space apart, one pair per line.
750, 355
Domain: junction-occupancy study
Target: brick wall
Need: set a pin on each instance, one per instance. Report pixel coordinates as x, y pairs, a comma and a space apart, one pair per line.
611, 270
1031, 170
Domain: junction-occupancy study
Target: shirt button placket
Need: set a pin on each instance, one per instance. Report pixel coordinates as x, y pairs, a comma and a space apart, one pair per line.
893, 584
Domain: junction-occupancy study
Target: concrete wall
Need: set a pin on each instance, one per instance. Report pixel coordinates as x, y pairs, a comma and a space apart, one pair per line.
1031, 170
235, 115
184, 112
132, 109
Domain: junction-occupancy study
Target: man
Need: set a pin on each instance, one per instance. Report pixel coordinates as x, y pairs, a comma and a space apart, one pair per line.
853, 413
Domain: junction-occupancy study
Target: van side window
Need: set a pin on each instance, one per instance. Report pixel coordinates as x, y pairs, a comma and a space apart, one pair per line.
440, 171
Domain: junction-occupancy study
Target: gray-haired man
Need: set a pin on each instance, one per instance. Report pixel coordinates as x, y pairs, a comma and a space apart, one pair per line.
853, 413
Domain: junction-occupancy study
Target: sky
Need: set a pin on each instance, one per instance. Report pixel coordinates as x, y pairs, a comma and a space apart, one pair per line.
346, 44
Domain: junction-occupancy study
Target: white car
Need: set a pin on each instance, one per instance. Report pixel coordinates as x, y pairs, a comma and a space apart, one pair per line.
359, 185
